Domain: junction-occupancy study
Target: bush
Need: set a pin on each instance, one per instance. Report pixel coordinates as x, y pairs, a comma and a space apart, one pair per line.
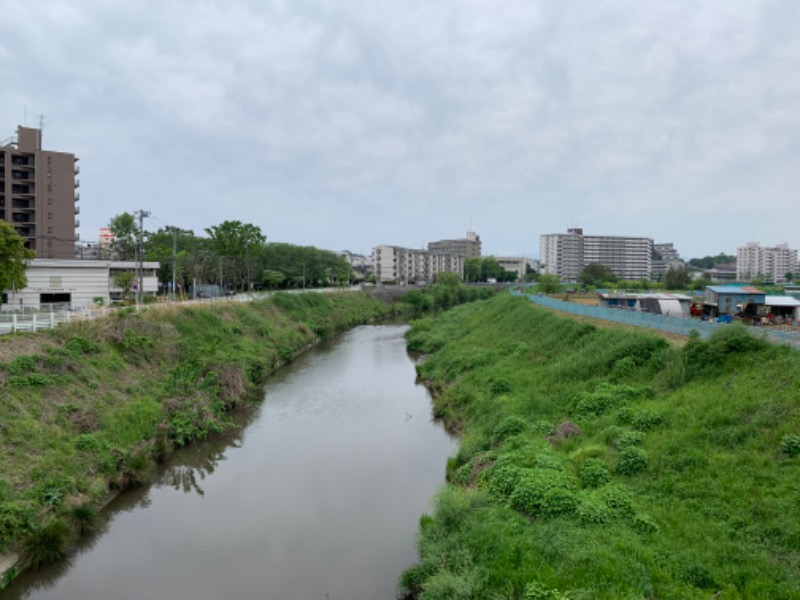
618, 501
501, 480
593, 510
509, 426
790, 444
594, 473
630, 439
631, 461
543, 492
646, 420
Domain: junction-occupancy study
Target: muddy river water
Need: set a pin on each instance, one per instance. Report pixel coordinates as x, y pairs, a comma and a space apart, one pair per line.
316, 496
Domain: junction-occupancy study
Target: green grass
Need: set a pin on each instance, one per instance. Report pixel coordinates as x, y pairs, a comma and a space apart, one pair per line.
104, 400
605, 463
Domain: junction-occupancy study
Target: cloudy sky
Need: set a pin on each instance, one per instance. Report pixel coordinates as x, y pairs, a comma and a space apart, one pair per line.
350, 123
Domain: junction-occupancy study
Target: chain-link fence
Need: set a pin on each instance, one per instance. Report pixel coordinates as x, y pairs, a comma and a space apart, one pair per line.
681, 326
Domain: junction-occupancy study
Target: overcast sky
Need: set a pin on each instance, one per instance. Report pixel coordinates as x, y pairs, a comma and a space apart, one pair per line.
354, 123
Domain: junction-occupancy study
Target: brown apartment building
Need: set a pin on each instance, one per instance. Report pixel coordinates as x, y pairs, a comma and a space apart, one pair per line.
39, 194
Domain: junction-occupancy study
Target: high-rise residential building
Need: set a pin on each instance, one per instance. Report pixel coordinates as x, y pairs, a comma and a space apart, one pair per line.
38, 194
567, 254
468, 247
771, 264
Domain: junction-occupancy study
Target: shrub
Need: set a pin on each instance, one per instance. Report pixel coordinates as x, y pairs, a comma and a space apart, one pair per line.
539, 591
500, 385
79, 345
594, 473
22, 364
630, 439
89, 442
646, 420
790, 444
501, 480
509, 426
593, 511
618, 501
543, 492
631, 461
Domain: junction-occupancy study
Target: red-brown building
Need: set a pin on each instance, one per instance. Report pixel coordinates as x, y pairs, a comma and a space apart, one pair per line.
38, 194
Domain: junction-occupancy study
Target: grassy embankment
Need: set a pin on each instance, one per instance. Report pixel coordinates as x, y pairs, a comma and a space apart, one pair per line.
102, 401
603, 463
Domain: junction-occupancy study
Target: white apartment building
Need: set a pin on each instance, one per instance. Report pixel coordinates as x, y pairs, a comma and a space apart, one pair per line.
770, 264
406, 265
567, 254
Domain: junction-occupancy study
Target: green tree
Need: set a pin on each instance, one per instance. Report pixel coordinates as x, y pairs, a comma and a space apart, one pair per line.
472, 269
14, 257
789, 277
123, 227
237, 242
272, 279
162, 244
548, 284
677, 278
124, 280
596, 274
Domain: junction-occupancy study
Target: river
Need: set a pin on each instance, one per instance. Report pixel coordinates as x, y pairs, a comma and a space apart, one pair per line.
317, 496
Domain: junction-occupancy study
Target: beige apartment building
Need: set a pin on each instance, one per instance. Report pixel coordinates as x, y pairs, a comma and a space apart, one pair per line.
38, 194
468, 247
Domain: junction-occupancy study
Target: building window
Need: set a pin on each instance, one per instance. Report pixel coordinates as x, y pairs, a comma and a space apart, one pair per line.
50, 201
49, 216
49, 160
49, 187
49, 230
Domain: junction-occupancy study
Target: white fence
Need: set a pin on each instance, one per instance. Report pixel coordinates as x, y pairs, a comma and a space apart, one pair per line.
37, 321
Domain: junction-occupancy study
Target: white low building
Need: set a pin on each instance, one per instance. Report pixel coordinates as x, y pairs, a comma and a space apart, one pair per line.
76, 283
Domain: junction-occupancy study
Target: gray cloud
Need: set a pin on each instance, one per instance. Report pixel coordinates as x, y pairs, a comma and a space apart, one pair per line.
354, 123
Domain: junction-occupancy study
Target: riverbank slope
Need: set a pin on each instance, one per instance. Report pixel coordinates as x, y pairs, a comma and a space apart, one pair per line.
604, 463
89, 408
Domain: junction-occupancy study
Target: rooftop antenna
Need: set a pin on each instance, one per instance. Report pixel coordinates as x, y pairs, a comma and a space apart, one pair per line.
25, 115
41, 122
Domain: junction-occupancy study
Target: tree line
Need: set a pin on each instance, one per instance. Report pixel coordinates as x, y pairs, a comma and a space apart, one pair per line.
233, 255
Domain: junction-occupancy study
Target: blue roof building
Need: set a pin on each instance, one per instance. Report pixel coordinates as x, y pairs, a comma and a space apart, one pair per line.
733, 299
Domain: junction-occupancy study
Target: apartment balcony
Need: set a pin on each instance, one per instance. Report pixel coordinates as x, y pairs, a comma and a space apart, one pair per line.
77, 197
77, 223
77, 210
77, 183
22, 190
77, 170
77, 237
22, 162
27, 217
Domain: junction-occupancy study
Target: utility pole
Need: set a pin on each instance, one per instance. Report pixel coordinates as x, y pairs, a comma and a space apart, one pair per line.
140, 254
174, 259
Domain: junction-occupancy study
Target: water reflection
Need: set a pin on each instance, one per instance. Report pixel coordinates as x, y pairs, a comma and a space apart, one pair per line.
317, 491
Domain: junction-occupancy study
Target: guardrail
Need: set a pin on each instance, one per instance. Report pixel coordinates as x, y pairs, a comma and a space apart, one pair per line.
680, 326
